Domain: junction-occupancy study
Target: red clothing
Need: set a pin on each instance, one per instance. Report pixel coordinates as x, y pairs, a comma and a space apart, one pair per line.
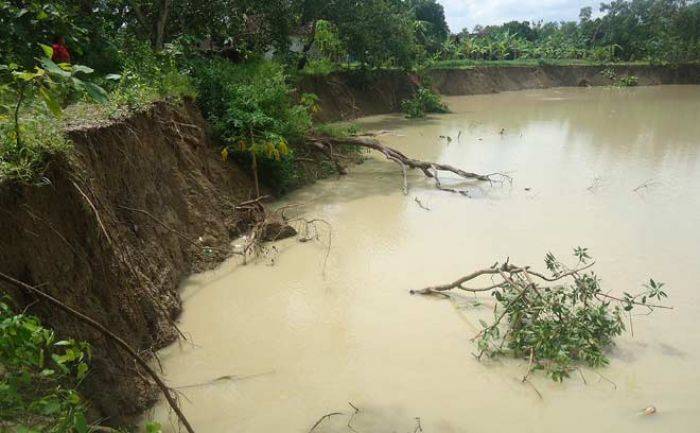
60, 54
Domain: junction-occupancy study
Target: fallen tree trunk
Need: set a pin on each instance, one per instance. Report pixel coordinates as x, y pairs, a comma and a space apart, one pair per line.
430, 169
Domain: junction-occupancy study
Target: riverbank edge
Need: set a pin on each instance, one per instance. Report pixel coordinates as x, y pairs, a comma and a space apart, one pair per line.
348, 95
112, 229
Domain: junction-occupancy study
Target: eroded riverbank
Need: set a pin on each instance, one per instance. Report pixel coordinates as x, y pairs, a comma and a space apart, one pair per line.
615, 170
352, 94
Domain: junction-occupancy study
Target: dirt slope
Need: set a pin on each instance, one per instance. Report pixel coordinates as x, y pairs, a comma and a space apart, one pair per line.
76, 238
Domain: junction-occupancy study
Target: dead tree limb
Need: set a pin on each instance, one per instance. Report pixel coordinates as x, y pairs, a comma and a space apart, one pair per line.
111, 336
429, 169
495, 270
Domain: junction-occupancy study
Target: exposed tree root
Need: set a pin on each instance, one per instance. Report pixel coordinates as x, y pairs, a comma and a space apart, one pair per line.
429, 169
167, 392
263, 226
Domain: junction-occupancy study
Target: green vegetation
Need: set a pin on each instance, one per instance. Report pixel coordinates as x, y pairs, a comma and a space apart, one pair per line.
557, 321
30, 101
627, 81
561, 326
39, 377
424, 101
254, 115
655, 31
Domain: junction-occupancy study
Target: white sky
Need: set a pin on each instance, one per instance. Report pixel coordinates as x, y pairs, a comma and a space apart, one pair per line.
468, 13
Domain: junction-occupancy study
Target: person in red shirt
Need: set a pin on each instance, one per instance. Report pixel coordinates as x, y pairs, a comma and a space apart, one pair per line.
60, 50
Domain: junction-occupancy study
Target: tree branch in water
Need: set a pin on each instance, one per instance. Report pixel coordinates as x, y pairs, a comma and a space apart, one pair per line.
429, 169
556, 327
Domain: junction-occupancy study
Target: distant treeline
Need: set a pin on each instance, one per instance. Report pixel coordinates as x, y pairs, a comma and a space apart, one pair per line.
373, 33
637, 30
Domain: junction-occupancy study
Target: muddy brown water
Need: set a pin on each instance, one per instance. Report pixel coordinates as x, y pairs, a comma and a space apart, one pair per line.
615, 170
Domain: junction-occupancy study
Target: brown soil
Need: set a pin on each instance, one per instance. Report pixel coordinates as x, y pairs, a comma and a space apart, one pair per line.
349, 95
76, 238
500, 79
346, 96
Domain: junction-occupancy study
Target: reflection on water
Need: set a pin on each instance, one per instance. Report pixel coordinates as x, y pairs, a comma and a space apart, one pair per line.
615, 170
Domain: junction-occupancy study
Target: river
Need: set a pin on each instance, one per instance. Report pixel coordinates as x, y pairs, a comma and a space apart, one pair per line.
299, 336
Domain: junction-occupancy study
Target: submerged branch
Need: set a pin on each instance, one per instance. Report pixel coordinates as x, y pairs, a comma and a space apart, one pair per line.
429, 169
557, 321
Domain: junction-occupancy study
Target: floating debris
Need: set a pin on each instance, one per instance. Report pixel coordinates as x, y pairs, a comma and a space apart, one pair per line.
649, 410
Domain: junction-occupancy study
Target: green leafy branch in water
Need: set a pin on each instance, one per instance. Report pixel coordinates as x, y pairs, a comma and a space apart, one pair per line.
558, 320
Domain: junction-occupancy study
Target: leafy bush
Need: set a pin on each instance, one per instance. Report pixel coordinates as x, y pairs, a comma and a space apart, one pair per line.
628, 81
30, 101
252, 110
424, 101
39, 376
42, 138
148, 76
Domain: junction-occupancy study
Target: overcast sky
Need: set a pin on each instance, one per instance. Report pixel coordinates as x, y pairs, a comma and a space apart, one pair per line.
468, 13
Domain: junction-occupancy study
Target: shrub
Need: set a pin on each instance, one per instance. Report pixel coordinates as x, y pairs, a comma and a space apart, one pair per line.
148, 76
252, 110
424, 101
628, 81
39, 377
30, 100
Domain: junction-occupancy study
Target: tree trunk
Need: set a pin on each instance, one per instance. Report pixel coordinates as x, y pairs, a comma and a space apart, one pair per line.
161, 24
307, 47
255, 174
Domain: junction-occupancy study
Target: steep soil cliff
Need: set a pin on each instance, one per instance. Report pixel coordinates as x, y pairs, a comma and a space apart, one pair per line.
94, 235
347, 95
499, 79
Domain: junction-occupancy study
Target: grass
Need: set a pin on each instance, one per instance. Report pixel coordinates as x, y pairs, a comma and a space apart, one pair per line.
42, 138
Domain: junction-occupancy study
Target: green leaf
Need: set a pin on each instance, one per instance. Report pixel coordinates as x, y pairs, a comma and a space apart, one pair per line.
82, 68
80, 423
25, 75
51, 102
114, 77
53, 68
153, 427
48, 51
95, 92
82, 370
50, 407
